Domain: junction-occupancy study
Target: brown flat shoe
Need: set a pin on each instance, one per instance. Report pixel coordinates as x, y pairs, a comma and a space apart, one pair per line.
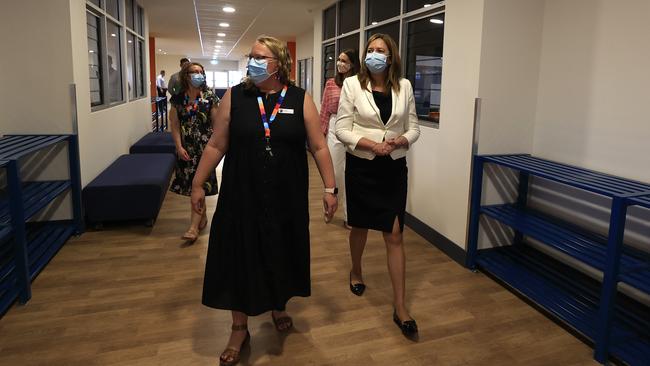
231, 356
282, 323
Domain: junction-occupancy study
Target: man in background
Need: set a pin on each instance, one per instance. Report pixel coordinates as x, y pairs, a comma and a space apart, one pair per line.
161, 84
174, 81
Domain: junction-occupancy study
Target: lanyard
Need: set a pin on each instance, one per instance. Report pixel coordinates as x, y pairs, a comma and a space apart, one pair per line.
267, 130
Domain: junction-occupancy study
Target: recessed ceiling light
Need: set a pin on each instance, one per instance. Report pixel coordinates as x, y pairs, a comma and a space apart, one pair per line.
374, 23
228, 9
214, 62
427, 5
91, 51
219, 41
436, 21
224, 25
113, 35
159, 50
130, 41
164, 53
221, 34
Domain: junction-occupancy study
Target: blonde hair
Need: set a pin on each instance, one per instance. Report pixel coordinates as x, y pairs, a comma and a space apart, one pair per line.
394, 69
283, 57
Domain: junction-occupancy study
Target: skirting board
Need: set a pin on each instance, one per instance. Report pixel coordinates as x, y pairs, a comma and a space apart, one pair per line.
448, 247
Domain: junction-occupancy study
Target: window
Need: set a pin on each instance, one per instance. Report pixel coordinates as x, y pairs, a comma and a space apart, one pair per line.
115, 75
221, 79
114, 56
419, 4
349, 42
329, 22
94, 60
129, 14
130, 65
305, 74
234, 78
140, 20
113, 9
379, 10
392, 29
424, 64
329, 61
349, 16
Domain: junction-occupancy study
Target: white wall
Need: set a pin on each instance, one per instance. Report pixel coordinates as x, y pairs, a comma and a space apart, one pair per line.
106, 134
36, 66
594, 80
305, 45
439, 162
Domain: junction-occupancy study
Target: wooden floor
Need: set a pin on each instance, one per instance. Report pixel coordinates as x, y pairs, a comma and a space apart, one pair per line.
131, 295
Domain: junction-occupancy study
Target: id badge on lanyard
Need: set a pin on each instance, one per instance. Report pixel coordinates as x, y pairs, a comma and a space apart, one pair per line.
267, 129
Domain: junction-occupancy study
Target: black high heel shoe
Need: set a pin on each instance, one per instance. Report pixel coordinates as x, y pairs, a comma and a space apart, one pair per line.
409, 328
357, 288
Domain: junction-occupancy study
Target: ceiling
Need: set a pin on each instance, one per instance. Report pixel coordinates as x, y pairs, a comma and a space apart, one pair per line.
190, 27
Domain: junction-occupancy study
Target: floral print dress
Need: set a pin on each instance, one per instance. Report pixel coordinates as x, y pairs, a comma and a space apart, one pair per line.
196, 129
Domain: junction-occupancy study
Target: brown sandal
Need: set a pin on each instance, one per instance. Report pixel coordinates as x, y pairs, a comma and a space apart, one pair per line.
283, 323
191, 235
231, 356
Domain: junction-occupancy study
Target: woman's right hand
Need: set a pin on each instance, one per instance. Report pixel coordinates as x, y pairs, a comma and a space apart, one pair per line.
182, 153
198, 200
382, 149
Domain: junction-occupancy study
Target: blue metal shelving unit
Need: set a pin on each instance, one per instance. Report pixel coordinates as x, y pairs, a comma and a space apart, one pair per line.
27, 247
616, 327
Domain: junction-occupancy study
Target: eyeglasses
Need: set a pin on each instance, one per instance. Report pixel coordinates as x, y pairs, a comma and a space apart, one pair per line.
260, 58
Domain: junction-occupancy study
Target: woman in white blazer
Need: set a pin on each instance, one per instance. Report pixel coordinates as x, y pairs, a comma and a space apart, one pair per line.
377, 122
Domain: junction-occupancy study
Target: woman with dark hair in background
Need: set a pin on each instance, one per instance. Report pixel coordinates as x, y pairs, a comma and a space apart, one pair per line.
378, 124
191, 126
347, 65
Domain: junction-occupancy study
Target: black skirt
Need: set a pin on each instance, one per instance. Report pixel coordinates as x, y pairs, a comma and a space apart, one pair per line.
376, 192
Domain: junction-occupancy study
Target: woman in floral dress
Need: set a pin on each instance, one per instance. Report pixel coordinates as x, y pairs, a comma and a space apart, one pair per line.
191, 129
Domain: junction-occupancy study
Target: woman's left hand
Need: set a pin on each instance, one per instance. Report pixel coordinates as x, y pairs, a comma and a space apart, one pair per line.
398, 142
330, 204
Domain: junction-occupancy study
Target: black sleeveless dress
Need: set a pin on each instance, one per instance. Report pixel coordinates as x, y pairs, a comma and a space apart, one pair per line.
258, 254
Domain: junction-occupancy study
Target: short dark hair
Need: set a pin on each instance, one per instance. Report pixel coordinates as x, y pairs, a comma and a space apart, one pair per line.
184, 60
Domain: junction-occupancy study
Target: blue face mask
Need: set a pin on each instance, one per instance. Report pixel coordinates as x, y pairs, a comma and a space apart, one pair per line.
197, 80
376, 62
257, 70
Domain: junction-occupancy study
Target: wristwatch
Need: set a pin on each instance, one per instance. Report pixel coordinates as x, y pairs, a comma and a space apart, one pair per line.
334, 190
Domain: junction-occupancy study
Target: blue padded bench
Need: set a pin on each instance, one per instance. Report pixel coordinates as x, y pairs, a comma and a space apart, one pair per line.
154, 142
132, 188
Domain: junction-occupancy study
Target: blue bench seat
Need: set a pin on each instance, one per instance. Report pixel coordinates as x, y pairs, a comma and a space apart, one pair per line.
133, 187
154, 143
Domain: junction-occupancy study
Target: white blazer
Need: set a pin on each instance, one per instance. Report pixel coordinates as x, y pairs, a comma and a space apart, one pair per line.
358, 116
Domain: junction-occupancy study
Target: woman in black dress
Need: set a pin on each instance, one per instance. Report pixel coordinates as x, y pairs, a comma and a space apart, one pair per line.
378, 124
191, 126
258, 255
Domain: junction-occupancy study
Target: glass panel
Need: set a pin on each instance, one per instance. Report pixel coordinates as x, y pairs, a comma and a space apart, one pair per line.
419, 4
234, 78
130, 65
329, 22
220, 79
349, 11
379, 10
96, 2
424, 64
209, 79
129, 14
113, 9
94, 60
329, 62
349, 42
140, 74
308, 86
114, 57
392, 29
140, 20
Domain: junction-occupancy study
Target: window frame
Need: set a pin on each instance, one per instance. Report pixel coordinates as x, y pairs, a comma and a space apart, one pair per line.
404, 18
140, 55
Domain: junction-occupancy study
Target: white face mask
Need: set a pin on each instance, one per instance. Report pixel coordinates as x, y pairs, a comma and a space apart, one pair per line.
342, 67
